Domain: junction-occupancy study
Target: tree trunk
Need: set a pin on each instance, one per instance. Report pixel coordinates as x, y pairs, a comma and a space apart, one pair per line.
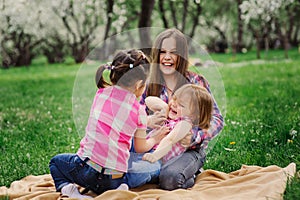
286, 46
239, 43
23, 47
258, 48
195, 19
104, 48
145, 24
266, 38
283, 37
257, 37
162, 12
24, 59
80, 52
184, 14
295, 39
110, 4
173, 14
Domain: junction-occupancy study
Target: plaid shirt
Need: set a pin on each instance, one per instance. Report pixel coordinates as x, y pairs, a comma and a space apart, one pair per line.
114, 118
177, 148
200, 137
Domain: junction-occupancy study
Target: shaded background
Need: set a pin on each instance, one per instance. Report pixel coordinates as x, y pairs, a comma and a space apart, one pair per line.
59, 29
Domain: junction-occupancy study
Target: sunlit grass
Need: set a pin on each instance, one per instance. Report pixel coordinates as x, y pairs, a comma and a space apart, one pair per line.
262, 117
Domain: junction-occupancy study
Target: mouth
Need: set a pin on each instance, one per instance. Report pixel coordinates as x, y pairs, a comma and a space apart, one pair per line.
167, 64
172, 111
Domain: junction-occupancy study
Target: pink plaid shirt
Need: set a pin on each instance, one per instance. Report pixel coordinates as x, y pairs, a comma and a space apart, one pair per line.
114, 118
177, 148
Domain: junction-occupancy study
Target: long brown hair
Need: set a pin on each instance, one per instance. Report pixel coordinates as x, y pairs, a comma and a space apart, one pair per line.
156, 79
201, 104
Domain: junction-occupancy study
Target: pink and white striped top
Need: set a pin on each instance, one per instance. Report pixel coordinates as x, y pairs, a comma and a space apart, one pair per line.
114, 118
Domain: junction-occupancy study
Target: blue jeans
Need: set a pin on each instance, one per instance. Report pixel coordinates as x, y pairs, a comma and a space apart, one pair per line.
69, 168
179, 172
141, 172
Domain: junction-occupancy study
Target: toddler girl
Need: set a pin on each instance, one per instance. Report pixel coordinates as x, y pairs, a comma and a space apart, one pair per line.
191, 106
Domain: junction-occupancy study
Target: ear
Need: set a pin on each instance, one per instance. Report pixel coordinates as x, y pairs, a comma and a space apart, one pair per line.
139, 84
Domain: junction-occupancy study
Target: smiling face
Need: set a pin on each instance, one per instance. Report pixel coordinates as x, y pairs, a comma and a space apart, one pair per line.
168, 57
180, 106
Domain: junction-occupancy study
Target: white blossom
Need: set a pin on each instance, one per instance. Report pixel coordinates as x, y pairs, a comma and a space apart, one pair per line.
262, 10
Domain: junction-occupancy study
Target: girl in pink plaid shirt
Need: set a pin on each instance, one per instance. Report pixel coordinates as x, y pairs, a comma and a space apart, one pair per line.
116, 118
190, 106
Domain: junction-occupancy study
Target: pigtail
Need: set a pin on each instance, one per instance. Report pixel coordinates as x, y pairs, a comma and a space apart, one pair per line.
100, 82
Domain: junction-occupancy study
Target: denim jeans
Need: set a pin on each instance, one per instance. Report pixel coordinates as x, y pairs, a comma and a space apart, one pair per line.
141, 172
179, 172
69, 168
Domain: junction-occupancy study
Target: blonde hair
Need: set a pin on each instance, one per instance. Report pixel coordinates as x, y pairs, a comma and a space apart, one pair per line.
201, 104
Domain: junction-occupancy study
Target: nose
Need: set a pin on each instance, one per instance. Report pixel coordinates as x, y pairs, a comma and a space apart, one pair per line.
167, 55
173, 104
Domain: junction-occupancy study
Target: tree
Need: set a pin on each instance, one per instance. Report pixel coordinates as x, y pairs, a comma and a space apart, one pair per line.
19, 32
239, 43
215, 20
81, 20
294, 28
144, 22
184, 15
259, 15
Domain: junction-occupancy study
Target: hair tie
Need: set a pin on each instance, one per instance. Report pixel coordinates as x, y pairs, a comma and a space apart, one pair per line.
130, 66
143, 55
108, 66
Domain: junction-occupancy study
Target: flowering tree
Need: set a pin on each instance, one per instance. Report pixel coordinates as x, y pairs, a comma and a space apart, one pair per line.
260, 17
81, 20
19, 27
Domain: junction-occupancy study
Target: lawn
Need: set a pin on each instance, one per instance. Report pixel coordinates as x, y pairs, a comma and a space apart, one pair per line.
262, 116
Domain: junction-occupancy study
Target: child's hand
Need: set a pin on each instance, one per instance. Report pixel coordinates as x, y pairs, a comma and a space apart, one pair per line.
157, 119
149, 157
186, 141
160, 133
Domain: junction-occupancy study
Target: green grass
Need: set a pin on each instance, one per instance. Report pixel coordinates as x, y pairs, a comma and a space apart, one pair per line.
262, 116
35, 118
273, 55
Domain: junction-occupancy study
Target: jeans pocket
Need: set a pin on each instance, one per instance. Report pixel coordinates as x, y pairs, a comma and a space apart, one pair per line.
83, 174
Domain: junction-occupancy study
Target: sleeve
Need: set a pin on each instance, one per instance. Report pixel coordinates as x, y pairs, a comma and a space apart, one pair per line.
142, 118
202, 137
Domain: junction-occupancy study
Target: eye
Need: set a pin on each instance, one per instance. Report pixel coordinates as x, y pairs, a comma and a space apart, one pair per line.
181, 105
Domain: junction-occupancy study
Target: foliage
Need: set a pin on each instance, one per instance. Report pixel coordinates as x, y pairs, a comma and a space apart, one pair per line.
262, 11
62, 28
266, 17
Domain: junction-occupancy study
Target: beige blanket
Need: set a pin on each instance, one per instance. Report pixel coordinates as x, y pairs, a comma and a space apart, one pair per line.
249, 182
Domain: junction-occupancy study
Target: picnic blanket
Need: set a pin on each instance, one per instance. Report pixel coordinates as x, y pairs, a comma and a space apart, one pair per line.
249, 182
